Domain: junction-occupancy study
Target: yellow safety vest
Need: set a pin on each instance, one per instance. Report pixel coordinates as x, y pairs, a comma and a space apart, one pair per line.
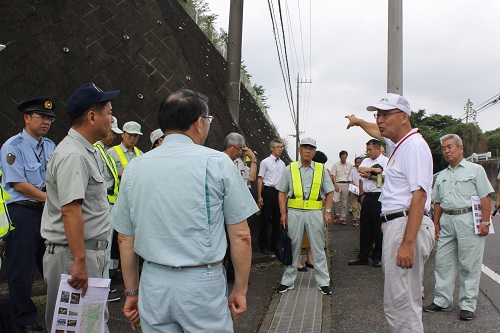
5, 223
314, 201
122, 157
114, 171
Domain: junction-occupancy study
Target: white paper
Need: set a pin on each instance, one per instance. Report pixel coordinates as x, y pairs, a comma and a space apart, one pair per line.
354, 189
74, 314
477, 214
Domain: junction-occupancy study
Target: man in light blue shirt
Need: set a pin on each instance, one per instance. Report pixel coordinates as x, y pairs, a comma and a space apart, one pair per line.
171, 210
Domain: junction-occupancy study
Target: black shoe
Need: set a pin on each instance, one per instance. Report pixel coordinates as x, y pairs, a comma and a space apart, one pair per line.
377, 263
283, 289
302, 269
309, 265
325, 290
358, 262
433, 307
33, 328
113, 296
466, 315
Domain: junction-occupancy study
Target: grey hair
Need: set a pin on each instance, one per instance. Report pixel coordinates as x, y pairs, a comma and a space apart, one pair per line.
233, 139
271, 145
456, 138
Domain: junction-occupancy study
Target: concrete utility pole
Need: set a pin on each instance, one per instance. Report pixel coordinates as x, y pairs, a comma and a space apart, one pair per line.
235, 32
297, 133
395, 48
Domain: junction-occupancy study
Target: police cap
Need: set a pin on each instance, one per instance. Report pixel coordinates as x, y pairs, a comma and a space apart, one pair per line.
42, 105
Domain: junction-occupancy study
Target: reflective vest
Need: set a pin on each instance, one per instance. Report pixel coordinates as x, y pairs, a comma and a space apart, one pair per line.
5, 224
314, 201
122, 157
114, 171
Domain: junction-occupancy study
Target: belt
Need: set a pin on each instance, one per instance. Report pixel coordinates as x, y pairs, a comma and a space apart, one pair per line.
388, 217
457, 211
372, 194
272, 187
94, 245
347, 182
214, 264
38, 206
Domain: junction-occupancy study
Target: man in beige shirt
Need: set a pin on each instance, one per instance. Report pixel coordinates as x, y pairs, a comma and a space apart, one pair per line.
340, 177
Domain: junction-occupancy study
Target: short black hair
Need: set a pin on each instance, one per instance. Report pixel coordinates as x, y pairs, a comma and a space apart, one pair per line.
320, 157
374, 143
181, 109
357, 158
343, 152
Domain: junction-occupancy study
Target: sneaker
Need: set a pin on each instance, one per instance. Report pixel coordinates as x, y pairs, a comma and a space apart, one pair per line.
325, 290
466, 315
283, 289
433, 307
113, 297
355, 223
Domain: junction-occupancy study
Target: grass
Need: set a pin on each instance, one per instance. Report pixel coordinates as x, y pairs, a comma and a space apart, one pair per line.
39, 300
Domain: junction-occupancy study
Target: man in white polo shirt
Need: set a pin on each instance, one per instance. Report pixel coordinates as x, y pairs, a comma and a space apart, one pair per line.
406, 196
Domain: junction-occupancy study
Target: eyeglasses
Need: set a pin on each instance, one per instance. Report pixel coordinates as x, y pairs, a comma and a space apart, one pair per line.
44, 117
384, 115
278, 147
210, 118
238, 148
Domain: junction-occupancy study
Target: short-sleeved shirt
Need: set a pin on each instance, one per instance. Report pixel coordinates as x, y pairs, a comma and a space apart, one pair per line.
271, 169
370, 185
454, 187
109, 180
128, 154
354, 176
175, 200
75, 173
285, 184
24, 159
409, 169
341, 171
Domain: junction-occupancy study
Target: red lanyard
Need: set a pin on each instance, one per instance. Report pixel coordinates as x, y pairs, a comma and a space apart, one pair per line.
400, 143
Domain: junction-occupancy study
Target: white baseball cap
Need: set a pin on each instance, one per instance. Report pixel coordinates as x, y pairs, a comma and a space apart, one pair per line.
308, 141
390, 102
131, 127
114, 126
155, 135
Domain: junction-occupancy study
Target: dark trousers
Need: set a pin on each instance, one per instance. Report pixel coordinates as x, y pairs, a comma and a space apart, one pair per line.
270, 215
369, 227
6, 318
24, 250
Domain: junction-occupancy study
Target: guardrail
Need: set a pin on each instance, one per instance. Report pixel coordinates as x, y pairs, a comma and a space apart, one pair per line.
479, 157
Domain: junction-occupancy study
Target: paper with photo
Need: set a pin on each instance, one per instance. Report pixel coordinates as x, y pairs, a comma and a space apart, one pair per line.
477, 214
354, 189
74, 314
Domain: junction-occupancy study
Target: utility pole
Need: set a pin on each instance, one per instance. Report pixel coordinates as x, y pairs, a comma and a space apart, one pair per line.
395, 48
235, 32
468, 110
297, 139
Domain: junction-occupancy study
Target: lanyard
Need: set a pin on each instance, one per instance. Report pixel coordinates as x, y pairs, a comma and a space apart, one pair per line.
400, 143
38, 157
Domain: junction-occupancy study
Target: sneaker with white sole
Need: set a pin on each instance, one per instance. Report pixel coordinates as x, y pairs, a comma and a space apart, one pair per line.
113, 296
325, 290
283, 289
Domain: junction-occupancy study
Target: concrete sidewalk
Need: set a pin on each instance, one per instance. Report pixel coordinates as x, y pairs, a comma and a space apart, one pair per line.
357, 301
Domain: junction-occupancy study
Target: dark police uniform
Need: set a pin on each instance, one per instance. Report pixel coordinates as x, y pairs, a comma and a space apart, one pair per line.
24, 159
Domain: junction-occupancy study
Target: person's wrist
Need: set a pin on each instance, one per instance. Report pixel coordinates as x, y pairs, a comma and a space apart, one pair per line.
131, 293
328, 210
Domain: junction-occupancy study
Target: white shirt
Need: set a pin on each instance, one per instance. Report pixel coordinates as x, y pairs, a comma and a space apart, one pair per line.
271, 169
243, 169
354, 176
370, 185
409, 169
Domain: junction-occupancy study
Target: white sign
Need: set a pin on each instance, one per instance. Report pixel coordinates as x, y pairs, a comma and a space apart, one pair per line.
477, 214
354, 189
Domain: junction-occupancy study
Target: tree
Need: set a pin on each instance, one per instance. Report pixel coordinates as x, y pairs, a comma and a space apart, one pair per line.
493, 141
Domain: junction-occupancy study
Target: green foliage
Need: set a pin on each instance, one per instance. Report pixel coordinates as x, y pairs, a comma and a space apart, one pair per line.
493, 141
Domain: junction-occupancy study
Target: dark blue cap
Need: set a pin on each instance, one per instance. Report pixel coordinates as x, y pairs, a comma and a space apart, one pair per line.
86, 96
42, 105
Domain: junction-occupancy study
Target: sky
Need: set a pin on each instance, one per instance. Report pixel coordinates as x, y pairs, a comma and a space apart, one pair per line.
451, 53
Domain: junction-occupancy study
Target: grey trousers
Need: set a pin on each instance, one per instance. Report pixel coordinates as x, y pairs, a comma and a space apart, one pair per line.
58, 260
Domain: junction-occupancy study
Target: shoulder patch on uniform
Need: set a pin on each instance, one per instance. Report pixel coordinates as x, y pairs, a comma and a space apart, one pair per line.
16, 141
11, 158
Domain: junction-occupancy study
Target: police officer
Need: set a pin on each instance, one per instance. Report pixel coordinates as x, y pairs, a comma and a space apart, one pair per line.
126, 150
75, 218
24, 162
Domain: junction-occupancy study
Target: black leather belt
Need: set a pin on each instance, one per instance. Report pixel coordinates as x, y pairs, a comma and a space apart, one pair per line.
347, 182
271, 187
388, 217
457, 211
38, 206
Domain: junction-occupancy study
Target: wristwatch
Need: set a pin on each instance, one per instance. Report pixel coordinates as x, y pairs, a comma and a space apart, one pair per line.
254, 160
486, 223
328, 210
131, 293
